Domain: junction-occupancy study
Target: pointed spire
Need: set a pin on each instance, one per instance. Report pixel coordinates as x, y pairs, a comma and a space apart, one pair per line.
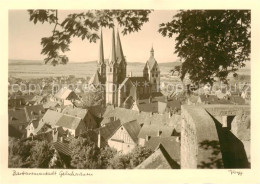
112, 58
101, 50
119, 50
152, 51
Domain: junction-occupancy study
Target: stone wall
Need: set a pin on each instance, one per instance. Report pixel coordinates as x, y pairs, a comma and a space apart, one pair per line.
199, 139
215, 136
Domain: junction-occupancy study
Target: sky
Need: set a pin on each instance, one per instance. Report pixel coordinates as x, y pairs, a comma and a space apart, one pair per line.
25, 38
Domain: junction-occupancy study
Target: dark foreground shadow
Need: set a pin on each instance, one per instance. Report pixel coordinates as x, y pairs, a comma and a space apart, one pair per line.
231, 148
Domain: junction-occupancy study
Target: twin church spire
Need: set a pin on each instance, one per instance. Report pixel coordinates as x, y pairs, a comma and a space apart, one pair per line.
116, 55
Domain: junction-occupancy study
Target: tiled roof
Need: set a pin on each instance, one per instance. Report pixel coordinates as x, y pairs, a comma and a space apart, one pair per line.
126, 115
133, 129
74, 111
50, 104
160, 159
50, 117
153, 130
34, 111
63, 148
63, 93
68, 121
169, 143
108, 129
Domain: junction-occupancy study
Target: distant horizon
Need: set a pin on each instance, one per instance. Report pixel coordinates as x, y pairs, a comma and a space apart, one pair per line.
90, 61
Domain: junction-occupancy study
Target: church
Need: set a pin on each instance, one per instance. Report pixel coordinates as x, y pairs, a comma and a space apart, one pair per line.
122, 90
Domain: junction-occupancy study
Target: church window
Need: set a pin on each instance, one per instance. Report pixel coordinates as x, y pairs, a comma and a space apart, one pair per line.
154, 81
110, 69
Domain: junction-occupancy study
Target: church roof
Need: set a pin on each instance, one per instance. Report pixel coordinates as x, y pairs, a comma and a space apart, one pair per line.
112, 58
101, 50
95, 79
119, 50
151, 61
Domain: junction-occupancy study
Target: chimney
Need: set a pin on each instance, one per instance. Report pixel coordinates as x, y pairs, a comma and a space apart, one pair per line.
150, 99
159, 133
148, 137
170, 114
99, 139
61, 139
130, 74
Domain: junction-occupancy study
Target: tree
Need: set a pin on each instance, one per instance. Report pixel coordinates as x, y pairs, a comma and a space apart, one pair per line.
29, 154
211, 43
85, 153
84, 25
130, 160
41, 154
18, 152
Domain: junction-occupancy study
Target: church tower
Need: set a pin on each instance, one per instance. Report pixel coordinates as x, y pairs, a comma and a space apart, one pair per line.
101, 62
120, 60
151, 72
112, 75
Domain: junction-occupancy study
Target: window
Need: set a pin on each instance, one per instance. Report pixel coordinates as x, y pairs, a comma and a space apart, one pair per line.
110, 69
154, 81
156, 75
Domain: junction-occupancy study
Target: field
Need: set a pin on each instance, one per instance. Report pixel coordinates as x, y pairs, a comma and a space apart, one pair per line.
36, 69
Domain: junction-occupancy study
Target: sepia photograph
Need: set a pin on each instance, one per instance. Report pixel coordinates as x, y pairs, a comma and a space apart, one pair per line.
129, 92
129, 89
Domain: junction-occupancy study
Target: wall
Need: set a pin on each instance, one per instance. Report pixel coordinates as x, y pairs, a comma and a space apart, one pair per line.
200, 146
215, 136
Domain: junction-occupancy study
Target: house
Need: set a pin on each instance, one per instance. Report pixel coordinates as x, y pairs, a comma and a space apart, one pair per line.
125, 138
48, 121
66, 96
107, 131
51, 105
17, 122
71, 124
172, 145
155, 130
19, 119
126, 115
159, 159
84, 114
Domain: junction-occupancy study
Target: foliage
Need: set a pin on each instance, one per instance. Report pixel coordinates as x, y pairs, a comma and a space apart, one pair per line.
130, 160
106, 154
18, 152
84, 25
92, 98
85, 154
211, 43
41, 154
34, 154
